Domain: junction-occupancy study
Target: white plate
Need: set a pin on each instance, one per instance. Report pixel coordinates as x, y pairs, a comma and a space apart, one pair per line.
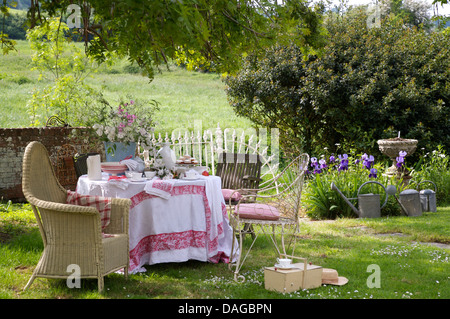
138, 180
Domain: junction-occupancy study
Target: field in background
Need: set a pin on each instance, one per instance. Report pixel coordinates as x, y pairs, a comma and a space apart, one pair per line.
183, 96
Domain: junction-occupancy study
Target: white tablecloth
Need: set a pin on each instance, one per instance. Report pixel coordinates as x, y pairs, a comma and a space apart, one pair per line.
192, 223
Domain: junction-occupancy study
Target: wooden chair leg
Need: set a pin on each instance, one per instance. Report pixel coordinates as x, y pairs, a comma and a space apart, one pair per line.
30, 281
101, 284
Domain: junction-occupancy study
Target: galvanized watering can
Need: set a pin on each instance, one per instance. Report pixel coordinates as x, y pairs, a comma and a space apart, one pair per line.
369, 204
428, 198
410, 201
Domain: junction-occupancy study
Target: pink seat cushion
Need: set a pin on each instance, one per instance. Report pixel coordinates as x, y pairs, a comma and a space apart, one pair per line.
230, 193
258, 211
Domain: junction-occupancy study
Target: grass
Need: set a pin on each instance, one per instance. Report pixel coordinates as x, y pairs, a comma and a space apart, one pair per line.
410, 269
184, 96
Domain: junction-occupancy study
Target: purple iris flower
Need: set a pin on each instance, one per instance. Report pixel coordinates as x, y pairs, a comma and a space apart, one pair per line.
368, 161
400, 161
323, 163
373, 173
332, 159
343, 165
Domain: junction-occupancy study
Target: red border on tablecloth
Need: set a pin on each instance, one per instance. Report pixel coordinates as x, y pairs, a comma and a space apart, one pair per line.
180, 240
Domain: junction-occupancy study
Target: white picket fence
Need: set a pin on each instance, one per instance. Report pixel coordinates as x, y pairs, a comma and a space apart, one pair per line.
206, 145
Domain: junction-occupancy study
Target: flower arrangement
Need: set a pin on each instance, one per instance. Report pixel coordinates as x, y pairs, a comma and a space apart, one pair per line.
161, 170
129, 122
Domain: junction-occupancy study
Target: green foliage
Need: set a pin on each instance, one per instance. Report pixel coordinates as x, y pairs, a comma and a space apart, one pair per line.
65, 66
150, 33
7, 44
434, 166
15, 25
368, 84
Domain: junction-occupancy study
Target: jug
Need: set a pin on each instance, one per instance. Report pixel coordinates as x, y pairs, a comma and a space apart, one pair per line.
167, 155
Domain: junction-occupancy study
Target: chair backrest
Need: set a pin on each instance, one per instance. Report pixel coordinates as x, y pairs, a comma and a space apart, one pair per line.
38, 176
239, 171
284, 190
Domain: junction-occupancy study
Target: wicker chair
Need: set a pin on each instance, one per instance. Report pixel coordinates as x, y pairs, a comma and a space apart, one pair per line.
72, 234
274, 213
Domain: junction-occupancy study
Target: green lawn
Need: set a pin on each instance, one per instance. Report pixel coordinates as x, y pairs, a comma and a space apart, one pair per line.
183, 96
410, 269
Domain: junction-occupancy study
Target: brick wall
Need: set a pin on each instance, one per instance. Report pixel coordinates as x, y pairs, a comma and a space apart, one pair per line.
13, 142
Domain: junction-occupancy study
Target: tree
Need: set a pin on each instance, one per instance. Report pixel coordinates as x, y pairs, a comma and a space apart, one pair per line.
369, 83
151, 32
412, 12
65, 66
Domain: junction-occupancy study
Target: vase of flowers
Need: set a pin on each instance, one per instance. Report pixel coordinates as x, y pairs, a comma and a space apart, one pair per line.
118, 151
122, 127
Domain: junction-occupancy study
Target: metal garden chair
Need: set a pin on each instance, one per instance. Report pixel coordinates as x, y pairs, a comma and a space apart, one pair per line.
274, 212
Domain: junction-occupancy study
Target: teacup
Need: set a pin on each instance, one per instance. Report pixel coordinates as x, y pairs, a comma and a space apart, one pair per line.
284, 262
136, 176
150, 174
190, 174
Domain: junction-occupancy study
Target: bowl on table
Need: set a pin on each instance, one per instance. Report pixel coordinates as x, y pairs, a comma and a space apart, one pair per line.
113, 168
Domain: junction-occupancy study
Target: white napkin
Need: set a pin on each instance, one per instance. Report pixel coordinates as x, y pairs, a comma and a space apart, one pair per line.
158, 187
120, 183
136, 164
94, 167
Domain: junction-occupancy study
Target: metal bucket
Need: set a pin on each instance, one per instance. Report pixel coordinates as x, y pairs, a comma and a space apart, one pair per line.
428, 198
410, 199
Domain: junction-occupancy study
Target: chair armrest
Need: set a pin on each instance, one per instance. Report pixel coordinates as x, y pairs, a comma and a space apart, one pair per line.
119, 218
62, 207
